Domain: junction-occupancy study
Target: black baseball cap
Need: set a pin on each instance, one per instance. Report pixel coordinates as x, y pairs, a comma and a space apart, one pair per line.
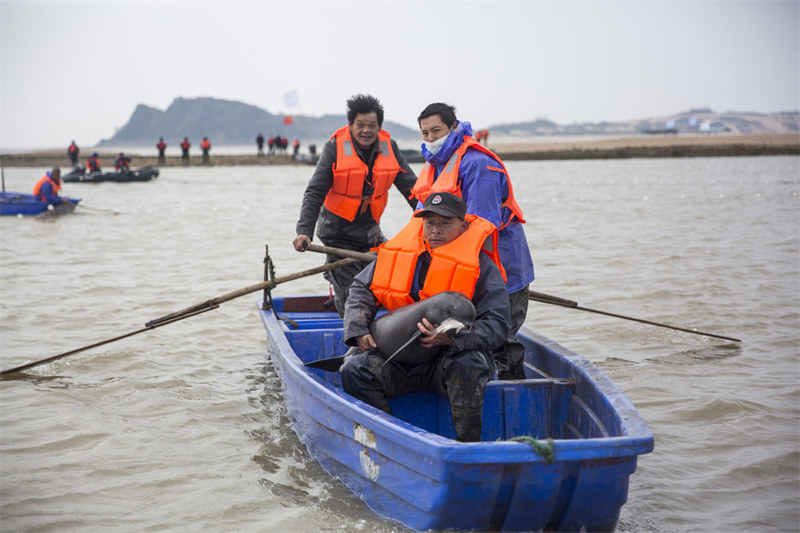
445, 204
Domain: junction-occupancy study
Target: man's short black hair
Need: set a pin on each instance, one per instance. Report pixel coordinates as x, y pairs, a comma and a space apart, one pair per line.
446, 112
363, 104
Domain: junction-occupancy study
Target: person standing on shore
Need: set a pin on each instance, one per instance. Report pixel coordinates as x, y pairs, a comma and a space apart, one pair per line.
47, 188
73, 152
348, 192
162, 146
457, 163
205, 144
185, 150
260, 144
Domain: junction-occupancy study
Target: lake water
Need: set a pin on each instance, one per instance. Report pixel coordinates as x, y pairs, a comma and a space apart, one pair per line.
183, 428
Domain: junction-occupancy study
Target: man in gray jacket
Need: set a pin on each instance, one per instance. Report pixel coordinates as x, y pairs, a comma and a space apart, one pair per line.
349, 189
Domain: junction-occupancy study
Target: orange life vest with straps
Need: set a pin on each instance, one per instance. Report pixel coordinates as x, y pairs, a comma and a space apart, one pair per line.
455, 266
349, 172
448, 179
93, 163
37, 189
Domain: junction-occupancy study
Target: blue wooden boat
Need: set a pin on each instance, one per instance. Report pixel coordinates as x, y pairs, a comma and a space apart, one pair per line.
17, 203
409, 468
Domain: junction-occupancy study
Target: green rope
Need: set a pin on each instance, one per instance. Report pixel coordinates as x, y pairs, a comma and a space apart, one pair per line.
545, 450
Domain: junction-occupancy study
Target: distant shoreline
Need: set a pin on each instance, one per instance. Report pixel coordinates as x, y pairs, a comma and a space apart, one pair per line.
508, 149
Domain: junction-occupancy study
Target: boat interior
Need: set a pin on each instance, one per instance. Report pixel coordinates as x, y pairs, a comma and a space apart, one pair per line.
554, 401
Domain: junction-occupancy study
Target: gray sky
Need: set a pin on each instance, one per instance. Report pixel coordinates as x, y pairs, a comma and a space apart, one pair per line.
77, 70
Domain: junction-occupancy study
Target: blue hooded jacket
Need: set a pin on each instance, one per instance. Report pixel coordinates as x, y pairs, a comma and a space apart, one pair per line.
47, 194
484, 191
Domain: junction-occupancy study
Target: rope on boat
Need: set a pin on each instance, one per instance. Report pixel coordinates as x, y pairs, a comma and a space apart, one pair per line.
545, 450
269, 268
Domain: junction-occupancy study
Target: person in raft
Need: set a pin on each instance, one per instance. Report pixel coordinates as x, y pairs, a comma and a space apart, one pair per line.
122, 163
439, 235
457, 163
47, 188
349, 189
93, 163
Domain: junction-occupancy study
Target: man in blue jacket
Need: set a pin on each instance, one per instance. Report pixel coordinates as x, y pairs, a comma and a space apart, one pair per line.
47, 188
457, 163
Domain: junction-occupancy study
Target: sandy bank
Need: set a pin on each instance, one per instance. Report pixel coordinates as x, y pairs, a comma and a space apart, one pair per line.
509, 149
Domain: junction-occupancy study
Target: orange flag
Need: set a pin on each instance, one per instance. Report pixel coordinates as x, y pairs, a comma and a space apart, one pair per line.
287, 120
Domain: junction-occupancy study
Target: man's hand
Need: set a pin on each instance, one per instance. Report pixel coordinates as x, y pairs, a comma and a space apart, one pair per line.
429, 336
301, 242
366, 342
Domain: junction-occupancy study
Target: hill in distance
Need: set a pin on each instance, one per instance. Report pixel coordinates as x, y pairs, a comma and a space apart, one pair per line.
225, 122
228, 122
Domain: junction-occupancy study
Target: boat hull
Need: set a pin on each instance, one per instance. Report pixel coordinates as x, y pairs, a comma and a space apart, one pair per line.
408, 468
139, 174
14, 204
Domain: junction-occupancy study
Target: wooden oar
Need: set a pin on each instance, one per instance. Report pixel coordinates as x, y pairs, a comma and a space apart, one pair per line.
532, 295
643, 321
194, 310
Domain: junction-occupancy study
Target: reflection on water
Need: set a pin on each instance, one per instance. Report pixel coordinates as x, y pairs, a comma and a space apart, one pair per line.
183, 427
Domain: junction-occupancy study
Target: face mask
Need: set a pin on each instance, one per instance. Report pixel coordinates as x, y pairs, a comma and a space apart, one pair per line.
436, 145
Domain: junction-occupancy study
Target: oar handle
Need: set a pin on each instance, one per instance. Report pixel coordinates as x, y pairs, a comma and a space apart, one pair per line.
341, 252
549, 299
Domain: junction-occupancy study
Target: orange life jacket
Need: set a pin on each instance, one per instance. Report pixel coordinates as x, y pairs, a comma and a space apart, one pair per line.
73, 148
349, 172
93, 163
455, 266
37, 189
206, 144
448, 179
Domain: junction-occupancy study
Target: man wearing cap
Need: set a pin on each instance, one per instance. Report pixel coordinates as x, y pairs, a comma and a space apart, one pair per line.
349, 190
438, 236
457, 163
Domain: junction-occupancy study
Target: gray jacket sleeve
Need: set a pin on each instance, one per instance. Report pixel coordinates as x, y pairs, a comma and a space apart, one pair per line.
360, 307
317, 189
